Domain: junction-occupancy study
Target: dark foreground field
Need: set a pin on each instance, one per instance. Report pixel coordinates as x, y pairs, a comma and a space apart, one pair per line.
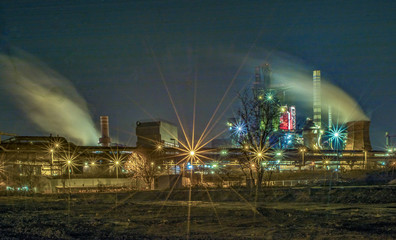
300, 213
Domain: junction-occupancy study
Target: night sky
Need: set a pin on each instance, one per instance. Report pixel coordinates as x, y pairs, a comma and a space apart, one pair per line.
109, 51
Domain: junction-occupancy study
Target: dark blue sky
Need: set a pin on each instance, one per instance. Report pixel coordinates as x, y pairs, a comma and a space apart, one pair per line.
103, 48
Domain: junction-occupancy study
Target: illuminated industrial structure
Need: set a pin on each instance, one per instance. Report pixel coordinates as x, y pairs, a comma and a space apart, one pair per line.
155, 133
311, 135
54, 157
288, 119
317, 99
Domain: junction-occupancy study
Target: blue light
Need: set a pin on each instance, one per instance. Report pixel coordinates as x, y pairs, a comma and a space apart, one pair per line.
337, 135
238, 129
190, 167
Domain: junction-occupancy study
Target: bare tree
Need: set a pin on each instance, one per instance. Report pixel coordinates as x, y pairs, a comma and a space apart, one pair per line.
2, 170
256, 121
141, 167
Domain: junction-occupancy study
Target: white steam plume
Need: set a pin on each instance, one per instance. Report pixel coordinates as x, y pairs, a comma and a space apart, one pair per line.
48, 99
292, 73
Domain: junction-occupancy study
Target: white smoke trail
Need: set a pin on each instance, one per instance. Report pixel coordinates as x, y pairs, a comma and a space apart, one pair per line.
294, 74
48, 99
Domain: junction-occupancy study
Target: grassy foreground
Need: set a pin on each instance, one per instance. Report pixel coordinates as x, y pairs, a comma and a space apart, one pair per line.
216, 214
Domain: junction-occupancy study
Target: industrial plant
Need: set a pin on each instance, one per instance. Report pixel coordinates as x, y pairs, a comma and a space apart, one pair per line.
53, 164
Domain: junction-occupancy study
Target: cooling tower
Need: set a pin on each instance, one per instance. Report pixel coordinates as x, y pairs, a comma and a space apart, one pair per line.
104, 141
358, 136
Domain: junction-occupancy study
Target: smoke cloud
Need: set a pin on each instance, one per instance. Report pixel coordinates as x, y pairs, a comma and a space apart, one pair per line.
293, 73
48, 99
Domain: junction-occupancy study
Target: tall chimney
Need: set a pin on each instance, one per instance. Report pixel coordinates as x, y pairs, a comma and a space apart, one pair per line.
317, 99
104, 141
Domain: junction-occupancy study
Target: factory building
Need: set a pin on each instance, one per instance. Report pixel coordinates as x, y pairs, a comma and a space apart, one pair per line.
151, 133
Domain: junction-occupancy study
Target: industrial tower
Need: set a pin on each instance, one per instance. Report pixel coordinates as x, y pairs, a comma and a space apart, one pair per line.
104, 141
262, 77
317, 99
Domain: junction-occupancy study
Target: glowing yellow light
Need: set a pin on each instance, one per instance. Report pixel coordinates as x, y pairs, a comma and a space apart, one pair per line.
51, 150
192, 153
159, 147
117, 162
259, 154
68, 162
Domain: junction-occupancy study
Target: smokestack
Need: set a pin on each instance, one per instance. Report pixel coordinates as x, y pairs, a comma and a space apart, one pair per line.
104, 141
317, 99
262, 77
358, 136
267, 76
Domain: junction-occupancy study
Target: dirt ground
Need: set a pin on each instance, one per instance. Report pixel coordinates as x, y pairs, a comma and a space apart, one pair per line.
215, 214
